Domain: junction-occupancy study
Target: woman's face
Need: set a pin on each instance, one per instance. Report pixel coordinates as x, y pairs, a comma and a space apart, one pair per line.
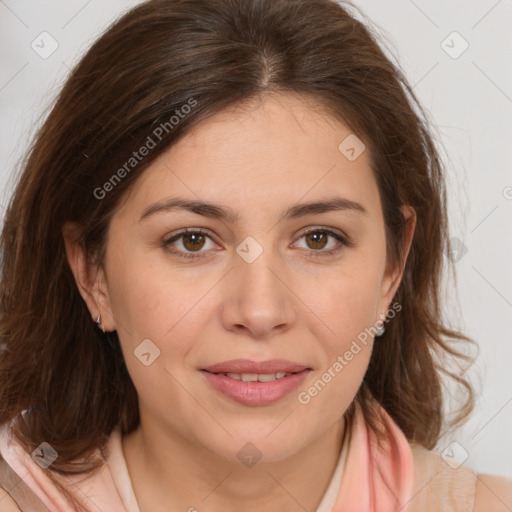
259, 287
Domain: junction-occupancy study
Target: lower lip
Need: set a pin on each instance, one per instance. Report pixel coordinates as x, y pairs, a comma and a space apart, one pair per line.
255, 393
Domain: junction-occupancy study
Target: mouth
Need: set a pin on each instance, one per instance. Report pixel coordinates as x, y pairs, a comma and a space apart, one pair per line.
255, 377
255, 389
247, 366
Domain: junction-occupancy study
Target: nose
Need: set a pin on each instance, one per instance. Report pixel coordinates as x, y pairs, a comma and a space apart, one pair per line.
259, 301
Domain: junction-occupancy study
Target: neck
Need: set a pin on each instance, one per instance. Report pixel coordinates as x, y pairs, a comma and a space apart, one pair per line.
169, 472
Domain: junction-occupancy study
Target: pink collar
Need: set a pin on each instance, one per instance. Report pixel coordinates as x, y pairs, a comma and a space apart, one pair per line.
376, 478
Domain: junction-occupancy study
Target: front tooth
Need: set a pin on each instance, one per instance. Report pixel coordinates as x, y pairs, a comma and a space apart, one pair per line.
266, 377
250, 377
256, 377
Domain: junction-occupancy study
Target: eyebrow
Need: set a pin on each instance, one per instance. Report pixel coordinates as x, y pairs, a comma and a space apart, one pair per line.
227, 214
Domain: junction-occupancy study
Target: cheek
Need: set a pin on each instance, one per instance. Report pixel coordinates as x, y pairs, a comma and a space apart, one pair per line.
349, 310
147, 297
347, 299
347, 303
345, 357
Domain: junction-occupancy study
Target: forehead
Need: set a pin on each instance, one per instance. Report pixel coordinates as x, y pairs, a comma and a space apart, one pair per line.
269, 151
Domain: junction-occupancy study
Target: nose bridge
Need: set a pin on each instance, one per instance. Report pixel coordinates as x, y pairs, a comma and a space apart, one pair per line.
255, 265
260, 297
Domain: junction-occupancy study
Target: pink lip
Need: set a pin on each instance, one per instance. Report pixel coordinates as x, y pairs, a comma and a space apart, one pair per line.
255, 393
248, 366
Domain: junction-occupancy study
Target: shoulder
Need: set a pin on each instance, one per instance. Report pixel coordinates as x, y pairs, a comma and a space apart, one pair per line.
7, 504
493, 494
441, 483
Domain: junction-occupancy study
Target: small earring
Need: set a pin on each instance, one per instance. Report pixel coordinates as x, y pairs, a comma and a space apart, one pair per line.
379, 330
98, 323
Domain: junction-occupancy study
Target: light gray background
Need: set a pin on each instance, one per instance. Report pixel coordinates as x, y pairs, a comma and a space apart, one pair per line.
469, 101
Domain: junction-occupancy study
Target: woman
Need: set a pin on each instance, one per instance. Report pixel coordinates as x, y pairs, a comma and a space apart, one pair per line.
221, 271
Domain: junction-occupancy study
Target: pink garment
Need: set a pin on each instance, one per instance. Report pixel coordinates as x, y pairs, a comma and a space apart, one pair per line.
372, 479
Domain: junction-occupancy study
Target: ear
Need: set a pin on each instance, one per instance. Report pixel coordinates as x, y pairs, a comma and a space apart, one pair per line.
90, 279
393, 274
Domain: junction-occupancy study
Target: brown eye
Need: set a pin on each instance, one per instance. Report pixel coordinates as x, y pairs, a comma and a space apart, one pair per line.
188, 243
317, 239
317, 242
193, 241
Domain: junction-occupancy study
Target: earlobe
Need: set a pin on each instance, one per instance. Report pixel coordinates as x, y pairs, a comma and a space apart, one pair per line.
88, 278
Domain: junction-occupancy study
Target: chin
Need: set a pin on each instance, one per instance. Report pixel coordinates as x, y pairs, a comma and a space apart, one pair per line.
269, 443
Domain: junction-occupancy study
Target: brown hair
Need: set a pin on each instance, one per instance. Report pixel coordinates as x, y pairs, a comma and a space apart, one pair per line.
56, 364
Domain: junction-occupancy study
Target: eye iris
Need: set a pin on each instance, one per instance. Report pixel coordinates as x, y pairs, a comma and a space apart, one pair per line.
195, 237
317, 237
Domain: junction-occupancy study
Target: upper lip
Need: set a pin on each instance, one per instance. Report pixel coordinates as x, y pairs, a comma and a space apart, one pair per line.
248, 366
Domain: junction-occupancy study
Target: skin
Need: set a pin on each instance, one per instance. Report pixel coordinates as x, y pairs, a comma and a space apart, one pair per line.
271, 154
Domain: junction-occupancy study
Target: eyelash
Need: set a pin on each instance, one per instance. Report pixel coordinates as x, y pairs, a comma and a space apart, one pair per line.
344, 241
